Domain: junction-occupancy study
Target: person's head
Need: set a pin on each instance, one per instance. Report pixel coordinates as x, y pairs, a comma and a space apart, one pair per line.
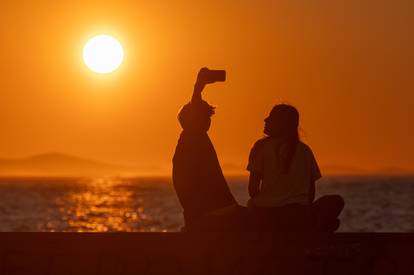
282, 122
196, 116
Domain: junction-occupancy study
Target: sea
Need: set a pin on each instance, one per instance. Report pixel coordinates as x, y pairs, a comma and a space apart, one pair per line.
373, 203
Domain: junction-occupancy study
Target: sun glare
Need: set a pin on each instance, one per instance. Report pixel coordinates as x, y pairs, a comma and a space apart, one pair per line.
103, 54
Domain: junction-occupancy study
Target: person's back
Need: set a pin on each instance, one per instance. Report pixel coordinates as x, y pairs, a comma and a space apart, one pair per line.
278, 187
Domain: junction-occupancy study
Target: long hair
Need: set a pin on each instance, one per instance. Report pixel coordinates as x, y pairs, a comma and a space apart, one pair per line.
284, 124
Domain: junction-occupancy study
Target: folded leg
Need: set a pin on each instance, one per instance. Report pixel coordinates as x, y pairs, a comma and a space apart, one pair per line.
326, 211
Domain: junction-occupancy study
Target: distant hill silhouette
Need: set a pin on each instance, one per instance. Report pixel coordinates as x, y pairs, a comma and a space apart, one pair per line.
348, 170
58, 164
342, 170
390, 170
331, 170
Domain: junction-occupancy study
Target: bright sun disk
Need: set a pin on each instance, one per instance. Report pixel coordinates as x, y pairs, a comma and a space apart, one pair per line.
103, 54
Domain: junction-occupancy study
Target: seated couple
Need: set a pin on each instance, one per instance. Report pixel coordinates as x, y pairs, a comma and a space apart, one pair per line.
283, 171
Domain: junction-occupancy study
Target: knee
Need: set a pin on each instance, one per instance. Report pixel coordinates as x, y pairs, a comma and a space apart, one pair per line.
334, 225
339, 202
333, 204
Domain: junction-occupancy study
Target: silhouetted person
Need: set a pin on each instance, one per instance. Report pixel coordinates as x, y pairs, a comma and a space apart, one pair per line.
283, 172
197, 176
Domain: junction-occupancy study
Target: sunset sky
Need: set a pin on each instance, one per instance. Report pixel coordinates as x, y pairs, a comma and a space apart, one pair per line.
346, 65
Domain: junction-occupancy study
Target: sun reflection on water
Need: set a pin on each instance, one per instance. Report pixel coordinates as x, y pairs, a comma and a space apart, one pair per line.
89, 205
104, 206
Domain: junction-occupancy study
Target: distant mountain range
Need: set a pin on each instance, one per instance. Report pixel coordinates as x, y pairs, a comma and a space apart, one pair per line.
58, 164
331, 170
348, 170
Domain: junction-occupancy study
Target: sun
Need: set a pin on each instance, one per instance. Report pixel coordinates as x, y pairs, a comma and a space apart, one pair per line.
103, 54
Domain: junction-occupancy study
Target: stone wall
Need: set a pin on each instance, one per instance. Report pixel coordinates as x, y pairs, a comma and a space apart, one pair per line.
210, 253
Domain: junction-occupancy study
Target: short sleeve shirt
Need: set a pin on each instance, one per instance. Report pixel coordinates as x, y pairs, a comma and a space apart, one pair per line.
281, 188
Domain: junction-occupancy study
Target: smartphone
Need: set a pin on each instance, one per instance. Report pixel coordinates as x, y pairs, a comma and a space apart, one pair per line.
216, 76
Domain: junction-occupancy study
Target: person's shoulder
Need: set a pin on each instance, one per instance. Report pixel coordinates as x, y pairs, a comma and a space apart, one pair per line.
260, 143
304, 148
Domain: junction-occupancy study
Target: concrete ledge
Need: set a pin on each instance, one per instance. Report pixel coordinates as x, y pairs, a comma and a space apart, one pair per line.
212, 253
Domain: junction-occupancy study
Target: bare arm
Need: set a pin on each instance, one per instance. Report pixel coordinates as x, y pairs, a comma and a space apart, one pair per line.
199, 85
254, 184
198, 88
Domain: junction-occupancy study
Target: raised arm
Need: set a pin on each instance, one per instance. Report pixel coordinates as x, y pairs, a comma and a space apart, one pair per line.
198, 89
203, 78
199, 85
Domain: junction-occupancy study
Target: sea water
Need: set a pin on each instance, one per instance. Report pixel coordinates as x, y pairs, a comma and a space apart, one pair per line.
375, 204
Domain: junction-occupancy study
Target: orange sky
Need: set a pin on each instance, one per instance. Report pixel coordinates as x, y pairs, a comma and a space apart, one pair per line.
346, 65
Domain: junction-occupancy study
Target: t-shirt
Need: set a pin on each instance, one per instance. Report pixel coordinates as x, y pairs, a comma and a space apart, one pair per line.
280, 188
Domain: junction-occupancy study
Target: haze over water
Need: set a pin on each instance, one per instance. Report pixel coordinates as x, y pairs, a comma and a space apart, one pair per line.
376, 204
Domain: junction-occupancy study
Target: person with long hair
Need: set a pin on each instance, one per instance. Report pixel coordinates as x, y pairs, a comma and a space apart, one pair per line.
283, 171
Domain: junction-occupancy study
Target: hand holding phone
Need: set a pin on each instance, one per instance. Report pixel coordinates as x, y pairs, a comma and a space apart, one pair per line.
207, 76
